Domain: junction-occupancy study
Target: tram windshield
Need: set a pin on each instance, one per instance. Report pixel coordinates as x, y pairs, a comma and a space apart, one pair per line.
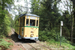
32, 22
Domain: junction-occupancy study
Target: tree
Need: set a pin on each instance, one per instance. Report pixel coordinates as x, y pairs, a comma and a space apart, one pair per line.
67, 24
4, 16
73, 1
72, 18
49, 17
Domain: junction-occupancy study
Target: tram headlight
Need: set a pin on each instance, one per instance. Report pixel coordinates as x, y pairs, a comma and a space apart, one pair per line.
36, 35
25, 35
32, 35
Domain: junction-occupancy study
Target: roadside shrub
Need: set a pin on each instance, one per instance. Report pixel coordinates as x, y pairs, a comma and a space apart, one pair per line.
5, 43
64, 40
47, 35
51, 35
42, 36
5, 23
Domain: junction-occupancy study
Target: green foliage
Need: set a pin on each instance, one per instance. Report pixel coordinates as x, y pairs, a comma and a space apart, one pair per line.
49, 16
20, 48
48, 35
67, 24
5, 43
42, 35
50, 19
16, 25
16, 17
5, 22
64, 40
56, 44
35, 6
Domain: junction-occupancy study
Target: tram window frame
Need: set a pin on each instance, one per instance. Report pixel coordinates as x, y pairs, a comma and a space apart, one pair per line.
32, 24
37, 24
23, 21
27, 22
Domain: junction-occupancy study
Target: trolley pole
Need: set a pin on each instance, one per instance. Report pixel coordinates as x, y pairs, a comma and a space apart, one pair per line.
61, 32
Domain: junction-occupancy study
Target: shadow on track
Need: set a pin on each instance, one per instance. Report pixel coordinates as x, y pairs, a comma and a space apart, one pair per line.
14, 37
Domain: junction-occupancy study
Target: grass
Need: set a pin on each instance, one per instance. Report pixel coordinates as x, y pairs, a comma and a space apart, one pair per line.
5, 43
56, 44
20, 48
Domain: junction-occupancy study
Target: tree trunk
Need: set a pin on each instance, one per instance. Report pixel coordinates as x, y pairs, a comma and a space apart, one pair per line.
3, 4
71, 23
71, 28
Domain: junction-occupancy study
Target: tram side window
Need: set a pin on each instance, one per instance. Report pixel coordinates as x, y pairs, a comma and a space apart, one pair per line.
20, 21
37, 23
32, 22
27, 22
23, 21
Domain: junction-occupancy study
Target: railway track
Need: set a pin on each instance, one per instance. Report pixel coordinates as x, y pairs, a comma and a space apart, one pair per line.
28, 46
44, 46
31, 46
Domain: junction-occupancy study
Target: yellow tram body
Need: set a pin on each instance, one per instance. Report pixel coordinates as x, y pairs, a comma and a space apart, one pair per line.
27, 26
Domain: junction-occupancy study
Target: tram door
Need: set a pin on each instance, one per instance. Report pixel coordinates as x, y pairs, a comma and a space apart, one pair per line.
20, 28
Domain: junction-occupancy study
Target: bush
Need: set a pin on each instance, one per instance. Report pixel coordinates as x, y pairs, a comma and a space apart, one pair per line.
47, 35
42, 36
4, 43
52, 35
5, 23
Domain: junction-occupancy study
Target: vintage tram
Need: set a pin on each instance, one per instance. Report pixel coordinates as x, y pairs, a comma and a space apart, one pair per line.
27, 26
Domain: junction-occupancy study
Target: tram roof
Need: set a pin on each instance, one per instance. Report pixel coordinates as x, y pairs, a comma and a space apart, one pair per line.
28, 15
